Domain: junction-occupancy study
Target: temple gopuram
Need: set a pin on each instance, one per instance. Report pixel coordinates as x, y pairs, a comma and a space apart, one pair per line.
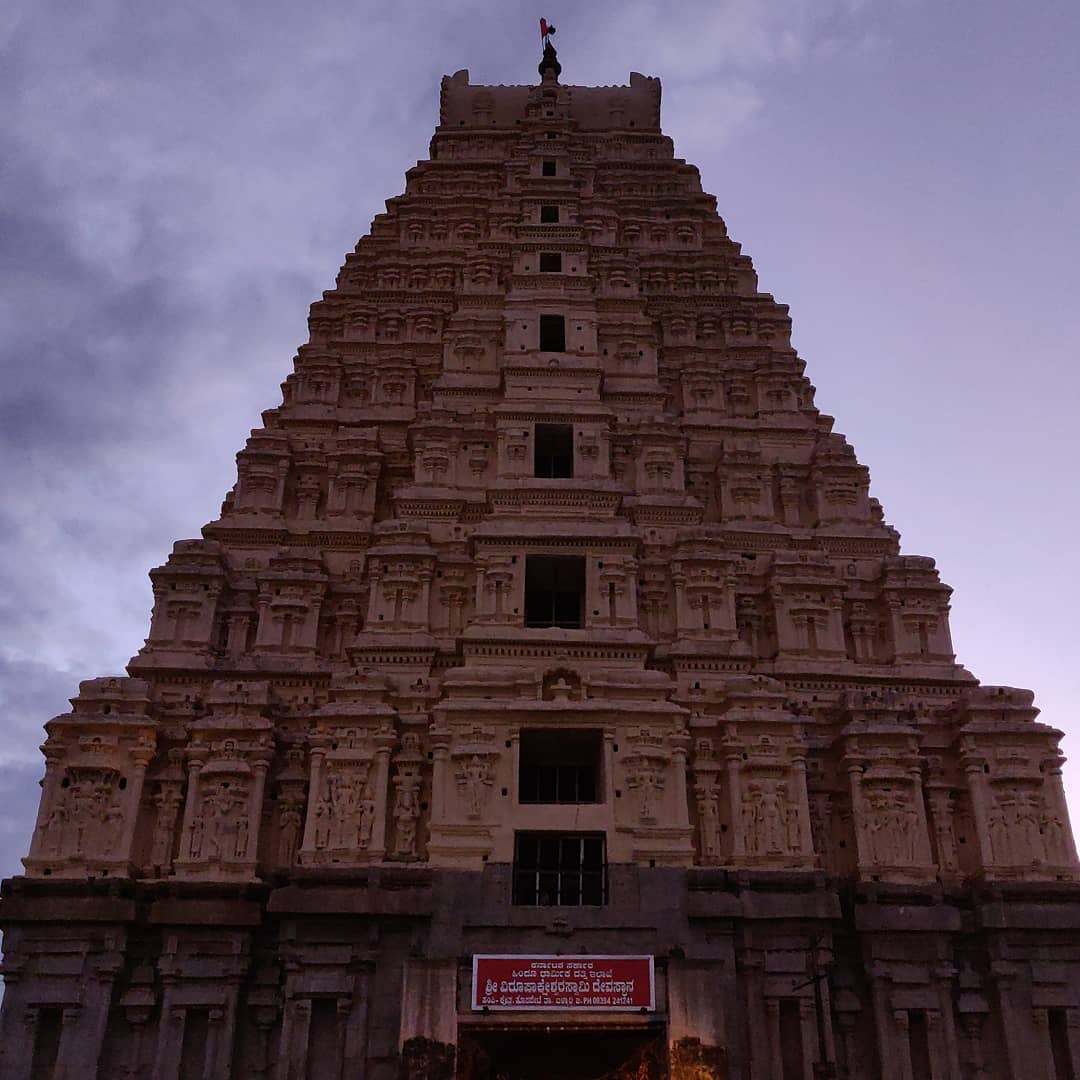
551, 698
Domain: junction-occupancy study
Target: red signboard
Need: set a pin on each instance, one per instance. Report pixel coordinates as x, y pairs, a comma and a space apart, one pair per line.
563, 982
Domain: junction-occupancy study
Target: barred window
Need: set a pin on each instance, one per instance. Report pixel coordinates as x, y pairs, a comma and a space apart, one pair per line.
560, 869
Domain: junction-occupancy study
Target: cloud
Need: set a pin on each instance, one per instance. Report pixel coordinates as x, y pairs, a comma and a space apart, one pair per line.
177, 183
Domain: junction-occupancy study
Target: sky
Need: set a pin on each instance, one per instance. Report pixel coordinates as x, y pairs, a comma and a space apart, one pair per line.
179, 181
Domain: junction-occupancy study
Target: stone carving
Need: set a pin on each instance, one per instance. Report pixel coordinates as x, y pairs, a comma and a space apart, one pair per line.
892, 828
290, 828
87, 819
344, 808
221, 831
407, 782
770, 823
475, 780
406, 814
646, 774
708, 806
1016, 825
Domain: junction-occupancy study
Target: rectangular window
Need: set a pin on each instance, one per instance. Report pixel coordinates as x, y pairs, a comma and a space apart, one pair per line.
554, 591
547, 168
559, 766
550, 262
549, 215
322, 1035
552, 333
919, 1043
560, 869
553, 451
1059, 1043
791, 1048
47, 1031
193, 1044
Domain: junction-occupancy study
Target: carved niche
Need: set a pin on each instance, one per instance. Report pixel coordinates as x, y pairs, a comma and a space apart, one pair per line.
96, 759
750, 781
884, 769
346, 818
228, 756
474, 760
408, 782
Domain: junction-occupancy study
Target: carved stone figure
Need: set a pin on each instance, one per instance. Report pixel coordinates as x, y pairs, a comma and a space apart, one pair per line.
474, 777
406, 814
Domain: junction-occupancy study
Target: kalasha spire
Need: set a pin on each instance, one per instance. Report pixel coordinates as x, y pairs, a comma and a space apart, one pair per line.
550, 62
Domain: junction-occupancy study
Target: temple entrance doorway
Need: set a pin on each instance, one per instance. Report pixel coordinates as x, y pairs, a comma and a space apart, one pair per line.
563, 1054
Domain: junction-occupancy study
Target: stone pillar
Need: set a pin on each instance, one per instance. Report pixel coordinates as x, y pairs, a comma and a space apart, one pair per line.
732, 760
772, 1036
142, 756
609, 768
192, 808
49, 787
255, 809
751, 967
1040, 1065
318, 759
942, 1025
295, 1033
923, 854
802, 801
971, 1026
679, 744
440, 773
354, 1049
170, 1039
264, 631
885, 1030
976, 785
1055, 798
901, 1046
863, 856
384, 743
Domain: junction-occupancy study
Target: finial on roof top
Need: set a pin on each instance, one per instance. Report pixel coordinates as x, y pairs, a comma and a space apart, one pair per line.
550, 62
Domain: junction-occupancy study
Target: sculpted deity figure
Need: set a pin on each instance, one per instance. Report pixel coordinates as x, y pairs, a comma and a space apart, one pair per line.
56, 828
1054, 835
765, 818
290, 823
647, 779
998, 828
323, 818
709, 814
475, 780
367, 822
1029, 837
406, 811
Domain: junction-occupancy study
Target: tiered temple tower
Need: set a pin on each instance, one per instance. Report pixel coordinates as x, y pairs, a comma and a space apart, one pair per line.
547, 617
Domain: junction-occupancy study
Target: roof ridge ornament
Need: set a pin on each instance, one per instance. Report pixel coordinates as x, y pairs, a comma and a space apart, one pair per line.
550, 62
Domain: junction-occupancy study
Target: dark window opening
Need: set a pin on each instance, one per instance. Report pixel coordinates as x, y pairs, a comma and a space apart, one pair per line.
919, 1043
1059, 1044
547, 168
560, 869
550, 262
549, 215
193, 1045
553, 451
791, 1048
552, 333
559, 766
322, 1035
554, 591
50, 1025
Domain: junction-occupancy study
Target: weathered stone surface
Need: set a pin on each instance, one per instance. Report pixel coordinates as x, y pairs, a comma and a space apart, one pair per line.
547, 502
